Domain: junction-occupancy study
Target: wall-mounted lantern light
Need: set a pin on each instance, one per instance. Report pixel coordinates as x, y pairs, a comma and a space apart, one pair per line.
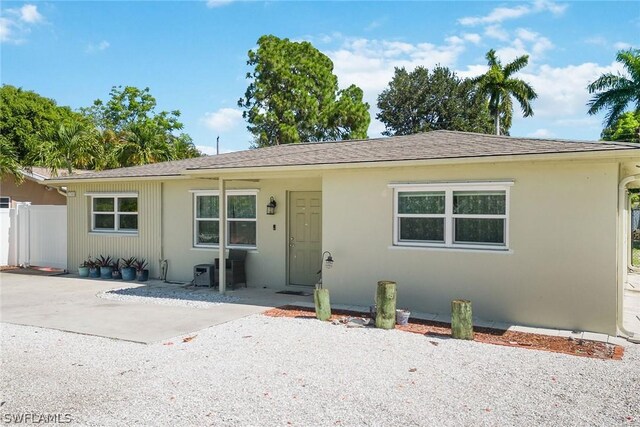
271, 206
328, 263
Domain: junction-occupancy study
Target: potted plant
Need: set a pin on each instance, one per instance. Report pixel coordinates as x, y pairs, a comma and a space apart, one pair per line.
94, 268
402, 317
128, 269
115, 269
83, 270
141, 270
105, 266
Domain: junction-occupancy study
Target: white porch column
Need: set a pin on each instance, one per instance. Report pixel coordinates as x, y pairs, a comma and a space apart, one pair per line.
222, 233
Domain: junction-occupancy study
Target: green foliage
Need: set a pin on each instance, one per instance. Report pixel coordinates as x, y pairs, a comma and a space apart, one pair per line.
130, 106
132, 133
615, 92
625, 128
9, 164
499, 85
420, 101
124, 131
66, 146
293, 96
25, 116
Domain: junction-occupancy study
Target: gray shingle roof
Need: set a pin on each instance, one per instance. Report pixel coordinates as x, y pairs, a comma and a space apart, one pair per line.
422, 146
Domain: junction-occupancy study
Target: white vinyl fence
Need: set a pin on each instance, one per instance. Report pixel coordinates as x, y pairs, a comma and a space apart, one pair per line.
34, 235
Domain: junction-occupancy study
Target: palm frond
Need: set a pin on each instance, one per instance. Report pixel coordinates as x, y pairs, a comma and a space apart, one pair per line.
516, 65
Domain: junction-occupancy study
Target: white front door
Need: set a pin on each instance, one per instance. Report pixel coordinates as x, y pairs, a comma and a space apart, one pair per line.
305, 237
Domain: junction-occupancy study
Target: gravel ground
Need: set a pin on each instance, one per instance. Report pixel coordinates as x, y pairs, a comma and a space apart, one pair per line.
168, 295
281, 371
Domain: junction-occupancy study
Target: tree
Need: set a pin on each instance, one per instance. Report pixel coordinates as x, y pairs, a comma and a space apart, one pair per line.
133, 133
131, 106
143, 144
626, 128
25, 116
499, 85
69, 146
420, 101
9, 164
293, 96
615, 92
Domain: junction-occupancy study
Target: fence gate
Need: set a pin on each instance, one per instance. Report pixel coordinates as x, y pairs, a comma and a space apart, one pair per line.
34, 235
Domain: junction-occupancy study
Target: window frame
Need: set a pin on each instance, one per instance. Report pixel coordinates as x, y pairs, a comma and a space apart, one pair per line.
228, 193
116, 213
8, 202
449, 232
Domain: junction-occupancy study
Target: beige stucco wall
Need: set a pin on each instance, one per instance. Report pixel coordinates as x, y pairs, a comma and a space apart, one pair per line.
81, 243
30, 191
560, 271
267, 265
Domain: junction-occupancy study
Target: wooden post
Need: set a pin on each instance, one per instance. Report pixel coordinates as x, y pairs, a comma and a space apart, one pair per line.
461, 320
323, 305
386, 302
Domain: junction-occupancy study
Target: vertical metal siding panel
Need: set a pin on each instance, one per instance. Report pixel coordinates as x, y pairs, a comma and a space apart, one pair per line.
146, 244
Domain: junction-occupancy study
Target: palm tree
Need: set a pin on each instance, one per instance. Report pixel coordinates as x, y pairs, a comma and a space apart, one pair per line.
9, 164
66, 146
143, 144
499, 85
615, 91
182, 147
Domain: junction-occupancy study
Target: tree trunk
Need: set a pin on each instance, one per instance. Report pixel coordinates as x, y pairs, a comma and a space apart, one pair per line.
461, 320
497, 118
323, 305
386, 305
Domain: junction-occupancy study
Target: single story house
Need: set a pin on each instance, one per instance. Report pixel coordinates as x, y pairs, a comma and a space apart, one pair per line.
532, 231
32, 189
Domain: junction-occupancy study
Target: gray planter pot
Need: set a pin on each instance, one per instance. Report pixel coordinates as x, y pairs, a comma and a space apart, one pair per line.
105, 272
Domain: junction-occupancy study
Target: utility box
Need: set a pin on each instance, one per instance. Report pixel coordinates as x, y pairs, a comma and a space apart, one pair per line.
204, 275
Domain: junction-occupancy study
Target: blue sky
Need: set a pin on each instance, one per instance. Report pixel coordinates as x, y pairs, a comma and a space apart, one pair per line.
192, 55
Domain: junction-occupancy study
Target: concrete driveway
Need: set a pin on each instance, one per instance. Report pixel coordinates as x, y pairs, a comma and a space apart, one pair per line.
70, 304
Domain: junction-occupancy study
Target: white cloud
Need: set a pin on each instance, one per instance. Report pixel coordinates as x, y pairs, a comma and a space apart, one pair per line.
223, 120
92, 48
622, 45
501, 14
596, 40
17, 23
374, 25
218, 3
466, 37
496, 32
29, 13
369, 63
562, 91
526, 42
205, 149
6, 29
497, 15
472, 37
541, 133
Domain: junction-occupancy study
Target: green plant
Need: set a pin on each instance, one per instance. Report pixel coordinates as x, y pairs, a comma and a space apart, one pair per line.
115, 264
140, 264
102, 261
128, 262
88, 263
